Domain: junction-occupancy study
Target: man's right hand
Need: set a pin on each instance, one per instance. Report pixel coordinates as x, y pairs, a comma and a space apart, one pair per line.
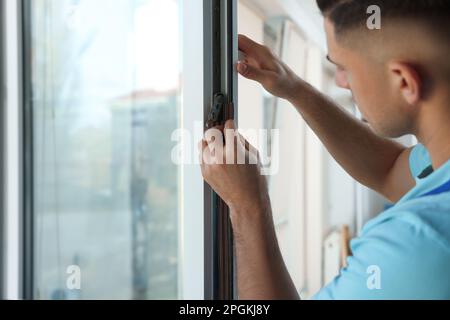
261, 65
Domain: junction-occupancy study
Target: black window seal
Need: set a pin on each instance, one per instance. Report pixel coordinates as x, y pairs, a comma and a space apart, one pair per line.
27, 148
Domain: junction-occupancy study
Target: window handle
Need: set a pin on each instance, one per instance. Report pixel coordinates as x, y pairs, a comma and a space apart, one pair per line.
215, 115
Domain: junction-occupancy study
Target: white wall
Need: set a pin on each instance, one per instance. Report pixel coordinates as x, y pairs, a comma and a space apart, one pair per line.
251, 24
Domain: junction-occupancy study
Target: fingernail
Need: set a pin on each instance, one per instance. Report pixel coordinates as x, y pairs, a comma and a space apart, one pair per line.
242, 67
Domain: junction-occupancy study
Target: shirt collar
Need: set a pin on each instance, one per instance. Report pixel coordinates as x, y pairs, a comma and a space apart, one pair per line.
428, 181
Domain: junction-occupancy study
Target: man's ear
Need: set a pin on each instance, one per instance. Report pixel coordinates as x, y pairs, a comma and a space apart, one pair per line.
408, 81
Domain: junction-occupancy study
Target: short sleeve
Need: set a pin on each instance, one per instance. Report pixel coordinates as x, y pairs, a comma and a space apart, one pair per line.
419, 160
394, 260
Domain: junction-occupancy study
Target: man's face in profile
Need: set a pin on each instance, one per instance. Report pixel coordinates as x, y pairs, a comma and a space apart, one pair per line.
369, 81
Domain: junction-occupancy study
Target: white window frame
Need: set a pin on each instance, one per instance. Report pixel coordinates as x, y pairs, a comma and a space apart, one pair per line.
191, 218
12, 208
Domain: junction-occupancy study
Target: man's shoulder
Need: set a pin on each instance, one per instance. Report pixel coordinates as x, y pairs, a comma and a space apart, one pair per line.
404, 252
417, 221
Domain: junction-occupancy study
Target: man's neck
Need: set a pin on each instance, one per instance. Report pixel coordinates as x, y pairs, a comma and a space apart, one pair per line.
434, 132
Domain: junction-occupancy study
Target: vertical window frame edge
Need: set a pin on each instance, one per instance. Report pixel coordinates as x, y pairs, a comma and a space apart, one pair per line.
27, 152
220, 45
2, 151
12, 122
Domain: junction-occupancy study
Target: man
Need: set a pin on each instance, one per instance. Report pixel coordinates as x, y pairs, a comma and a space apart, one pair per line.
400, 79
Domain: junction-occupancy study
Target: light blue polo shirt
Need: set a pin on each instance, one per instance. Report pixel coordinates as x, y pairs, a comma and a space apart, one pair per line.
404, 253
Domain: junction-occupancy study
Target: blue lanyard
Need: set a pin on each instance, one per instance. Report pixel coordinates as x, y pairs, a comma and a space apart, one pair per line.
439, 190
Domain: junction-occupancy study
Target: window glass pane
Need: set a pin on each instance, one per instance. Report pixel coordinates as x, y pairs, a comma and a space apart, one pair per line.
105, 101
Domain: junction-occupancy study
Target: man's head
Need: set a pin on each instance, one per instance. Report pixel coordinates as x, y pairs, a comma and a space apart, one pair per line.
395, 71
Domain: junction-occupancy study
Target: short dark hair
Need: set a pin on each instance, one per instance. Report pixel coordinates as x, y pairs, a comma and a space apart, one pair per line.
348, 14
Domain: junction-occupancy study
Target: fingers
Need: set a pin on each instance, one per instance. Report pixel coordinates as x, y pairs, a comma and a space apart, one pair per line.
254, 156
204, 152
212, 153
231, 133
248, 145
235, 136
212, 148
254, 51
230, 125
231, 142
253, 73
248, 46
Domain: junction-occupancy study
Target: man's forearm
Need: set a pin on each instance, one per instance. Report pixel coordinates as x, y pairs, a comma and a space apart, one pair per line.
261, 271
364, 155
